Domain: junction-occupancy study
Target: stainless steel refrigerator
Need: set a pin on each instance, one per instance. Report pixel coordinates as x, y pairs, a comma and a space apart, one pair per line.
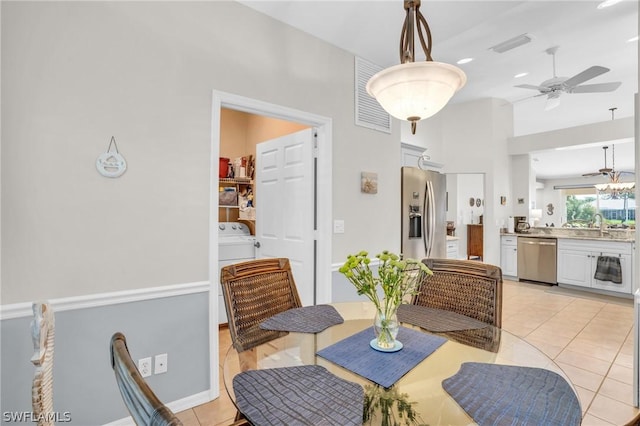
424, 227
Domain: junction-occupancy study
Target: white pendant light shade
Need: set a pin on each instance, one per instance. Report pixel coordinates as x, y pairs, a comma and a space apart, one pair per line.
414, 91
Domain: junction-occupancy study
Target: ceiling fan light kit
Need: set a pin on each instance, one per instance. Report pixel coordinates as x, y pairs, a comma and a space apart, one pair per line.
414, 91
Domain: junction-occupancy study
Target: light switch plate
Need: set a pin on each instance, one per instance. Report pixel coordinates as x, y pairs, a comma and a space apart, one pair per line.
338, 226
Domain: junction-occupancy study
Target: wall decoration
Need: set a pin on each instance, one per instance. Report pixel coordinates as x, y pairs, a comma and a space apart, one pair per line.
520, 200
503, 200
472, 201
111, 163
369, 183
550, 209
478, 202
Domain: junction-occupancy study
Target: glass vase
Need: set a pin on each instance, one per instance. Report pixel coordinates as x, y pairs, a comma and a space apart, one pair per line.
385, 326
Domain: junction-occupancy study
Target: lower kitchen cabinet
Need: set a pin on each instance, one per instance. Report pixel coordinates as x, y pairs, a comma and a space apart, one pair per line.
578, 259
509, 255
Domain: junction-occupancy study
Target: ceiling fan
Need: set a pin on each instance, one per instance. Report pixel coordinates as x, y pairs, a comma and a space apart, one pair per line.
554, 87
610, 172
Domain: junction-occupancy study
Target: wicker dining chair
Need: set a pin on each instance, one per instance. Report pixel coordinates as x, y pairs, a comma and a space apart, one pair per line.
469, 288
254, 291
466, 287
143, 405
42, 334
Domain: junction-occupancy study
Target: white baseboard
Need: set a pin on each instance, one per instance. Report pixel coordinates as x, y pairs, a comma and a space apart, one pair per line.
175, 406
19, 310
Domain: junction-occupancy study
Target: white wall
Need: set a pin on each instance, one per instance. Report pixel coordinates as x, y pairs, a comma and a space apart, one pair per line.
76, 73
610, 130
520, 184
474, 138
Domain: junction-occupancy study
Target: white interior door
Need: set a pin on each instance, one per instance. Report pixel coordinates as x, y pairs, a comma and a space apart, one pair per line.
285, 205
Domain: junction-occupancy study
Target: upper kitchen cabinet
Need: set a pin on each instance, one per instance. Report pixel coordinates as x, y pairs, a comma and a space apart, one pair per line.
428, 138
416, 156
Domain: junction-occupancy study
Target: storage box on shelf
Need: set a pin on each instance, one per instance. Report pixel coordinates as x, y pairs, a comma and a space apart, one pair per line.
578, 259
509, 255
230, 196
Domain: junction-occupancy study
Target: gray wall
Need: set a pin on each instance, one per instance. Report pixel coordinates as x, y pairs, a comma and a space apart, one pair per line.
84, 384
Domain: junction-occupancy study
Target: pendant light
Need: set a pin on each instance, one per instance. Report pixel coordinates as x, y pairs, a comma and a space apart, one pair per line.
414, 91
614, 187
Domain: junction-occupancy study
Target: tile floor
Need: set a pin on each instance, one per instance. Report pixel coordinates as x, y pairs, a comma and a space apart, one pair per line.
589, 337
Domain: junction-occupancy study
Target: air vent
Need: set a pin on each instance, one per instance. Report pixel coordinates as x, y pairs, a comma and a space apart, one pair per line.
368, 112
512, 43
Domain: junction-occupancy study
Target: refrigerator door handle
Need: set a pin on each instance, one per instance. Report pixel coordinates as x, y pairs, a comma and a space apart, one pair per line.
429, 218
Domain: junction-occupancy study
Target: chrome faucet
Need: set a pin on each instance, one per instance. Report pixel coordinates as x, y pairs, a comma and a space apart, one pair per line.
601, 223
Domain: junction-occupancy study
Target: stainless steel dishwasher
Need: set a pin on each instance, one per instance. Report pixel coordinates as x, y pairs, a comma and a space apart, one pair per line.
537, 259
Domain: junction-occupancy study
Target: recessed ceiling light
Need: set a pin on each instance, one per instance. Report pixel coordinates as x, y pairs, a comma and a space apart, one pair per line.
522, 74
464, 61
608, 3
632, 39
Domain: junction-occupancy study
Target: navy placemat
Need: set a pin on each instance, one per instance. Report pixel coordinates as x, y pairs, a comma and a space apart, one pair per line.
437, 320
383, 368
510, 395
308, 319
304, 395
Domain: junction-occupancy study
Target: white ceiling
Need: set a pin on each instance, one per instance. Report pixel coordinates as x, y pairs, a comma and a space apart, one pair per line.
586, 36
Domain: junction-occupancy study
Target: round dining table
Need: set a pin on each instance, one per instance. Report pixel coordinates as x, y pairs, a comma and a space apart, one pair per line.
420, 389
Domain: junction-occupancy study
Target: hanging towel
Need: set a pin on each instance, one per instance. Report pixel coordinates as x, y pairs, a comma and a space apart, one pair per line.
608, 269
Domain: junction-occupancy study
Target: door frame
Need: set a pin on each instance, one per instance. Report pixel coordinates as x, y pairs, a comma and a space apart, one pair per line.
323, 212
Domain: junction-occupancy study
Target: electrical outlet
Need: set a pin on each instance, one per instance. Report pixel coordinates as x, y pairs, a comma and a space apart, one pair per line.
161, 364
144, 366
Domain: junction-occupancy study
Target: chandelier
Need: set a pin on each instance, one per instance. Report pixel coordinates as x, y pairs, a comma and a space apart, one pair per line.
614, 188
414, 91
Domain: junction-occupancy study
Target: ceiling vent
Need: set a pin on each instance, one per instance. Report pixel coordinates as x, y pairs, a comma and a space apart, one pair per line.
512, 43
368, 112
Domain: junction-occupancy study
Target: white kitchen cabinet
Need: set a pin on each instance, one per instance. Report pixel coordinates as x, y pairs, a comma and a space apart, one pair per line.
574, 267
452, 248
578, 259
509, 255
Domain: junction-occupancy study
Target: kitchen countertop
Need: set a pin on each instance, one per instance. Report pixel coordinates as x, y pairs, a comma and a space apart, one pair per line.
452, 238
619, 235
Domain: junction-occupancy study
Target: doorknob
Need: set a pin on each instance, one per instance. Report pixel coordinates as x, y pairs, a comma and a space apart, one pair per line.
256, 244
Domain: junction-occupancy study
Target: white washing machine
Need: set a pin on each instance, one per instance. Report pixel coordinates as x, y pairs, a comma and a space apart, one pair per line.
235, 245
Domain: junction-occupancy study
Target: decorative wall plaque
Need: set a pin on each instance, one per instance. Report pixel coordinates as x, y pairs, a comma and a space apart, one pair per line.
111, 164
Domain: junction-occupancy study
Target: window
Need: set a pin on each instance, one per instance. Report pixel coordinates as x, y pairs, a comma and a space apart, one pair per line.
581, 204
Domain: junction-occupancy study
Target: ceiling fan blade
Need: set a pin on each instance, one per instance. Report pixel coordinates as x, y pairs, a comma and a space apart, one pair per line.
531, 86
595, 88
585, 75
592, 174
